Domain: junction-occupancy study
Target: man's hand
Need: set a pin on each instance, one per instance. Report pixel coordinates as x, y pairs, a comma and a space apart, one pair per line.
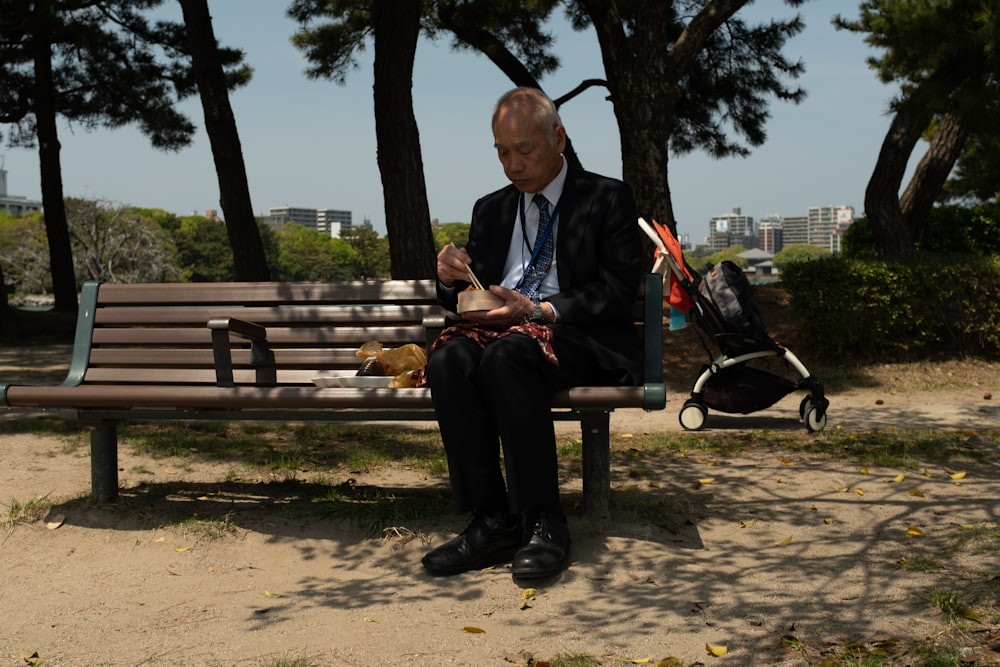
452, 265
516, 308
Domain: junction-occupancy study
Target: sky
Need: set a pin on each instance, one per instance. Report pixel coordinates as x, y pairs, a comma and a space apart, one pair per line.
311, 143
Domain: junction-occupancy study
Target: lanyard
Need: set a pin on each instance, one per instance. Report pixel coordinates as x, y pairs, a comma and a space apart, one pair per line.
538, 242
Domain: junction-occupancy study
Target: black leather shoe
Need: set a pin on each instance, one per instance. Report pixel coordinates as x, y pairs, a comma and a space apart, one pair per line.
545, 552
488, 540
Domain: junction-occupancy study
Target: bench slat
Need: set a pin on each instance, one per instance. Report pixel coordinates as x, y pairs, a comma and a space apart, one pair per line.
300, 315
193, 294
145, 357
205, 375
288, 398
391, 336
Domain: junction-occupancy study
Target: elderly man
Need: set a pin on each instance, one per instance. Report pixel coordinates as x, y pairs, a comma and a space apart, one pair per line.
561, 248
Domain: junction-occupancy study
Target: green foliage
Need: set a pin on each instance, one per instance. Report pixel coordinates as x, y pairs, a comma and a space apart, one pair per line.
798, 252
371, 253
451, 232
956, 229
118, 244
24, 253
305, 254
949, 229
203, 250
920, 306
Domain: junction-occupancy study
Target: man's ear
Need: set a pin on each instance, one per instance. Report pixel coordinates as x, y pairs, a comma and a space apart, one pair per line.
560, 136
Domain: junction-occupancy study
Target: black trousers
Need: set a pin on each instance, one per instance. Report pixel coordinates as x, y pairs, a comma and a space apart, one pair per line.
499, 397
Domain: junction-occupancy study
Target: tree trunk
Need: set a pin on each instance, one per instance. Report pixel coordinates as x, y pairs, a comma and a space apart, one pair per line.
407, 214
249, 260
892, 235
56, 228
931, 174
646, 91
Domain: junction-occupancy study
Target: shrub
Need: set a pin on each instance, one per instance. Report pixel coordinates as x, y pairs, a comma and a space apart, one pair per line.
925, 305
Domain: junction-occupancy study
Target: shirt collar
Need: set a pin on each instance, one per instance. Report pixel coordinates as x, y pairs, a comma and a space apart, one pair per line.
554, 189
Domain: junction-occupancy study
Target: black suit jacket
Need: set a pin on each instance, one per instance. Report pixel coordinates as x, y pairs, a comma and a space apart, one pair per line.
599, 255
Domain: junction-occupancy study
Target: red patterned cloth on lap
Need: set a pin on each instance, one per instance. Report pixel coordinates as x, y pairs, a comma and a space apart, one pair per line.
483, 336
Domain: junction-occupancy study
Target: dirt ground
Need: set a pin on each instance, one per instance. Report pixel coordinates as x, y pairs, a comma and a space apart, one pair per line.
777, 558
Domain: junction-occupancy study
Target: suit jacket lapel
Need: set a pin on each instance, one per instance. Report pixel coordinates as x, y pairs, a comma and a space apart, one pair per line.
572, 227
497, 237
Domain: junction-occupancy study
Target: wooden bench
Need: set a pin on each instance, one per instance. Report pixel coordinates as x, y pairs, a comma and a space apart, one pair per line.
249, 351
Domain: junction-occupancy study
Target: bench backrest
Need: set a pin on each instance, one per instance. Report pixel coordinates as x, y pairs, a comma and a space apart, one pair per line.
159, 333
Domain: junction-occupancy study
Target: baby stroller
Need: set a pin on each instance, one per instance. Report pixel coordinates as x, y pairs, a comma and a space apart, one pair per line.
722, 304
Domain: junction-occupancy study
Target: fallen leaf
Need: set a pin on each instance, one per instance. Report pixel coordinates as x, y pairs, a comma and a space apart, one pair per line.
368, 619
827, 520
527, 593
641, 661
958, 475
898, 478
707, 480
717, 651
32, 659
863, 470
626, 435
181, 550
786, 462
969, 614
473, 630
670, 662
841, 489
785, 542
271, 594
860, 492
916, 492
914, 531
746, 524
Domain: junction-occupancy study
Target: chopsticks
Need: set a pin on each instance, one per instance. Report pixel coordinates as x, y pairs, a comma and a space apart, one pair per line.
472, 276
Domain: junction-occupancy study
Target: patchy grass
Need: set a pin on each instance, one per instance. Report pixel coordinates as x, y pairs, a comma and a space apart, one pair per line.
892, 447
24, 512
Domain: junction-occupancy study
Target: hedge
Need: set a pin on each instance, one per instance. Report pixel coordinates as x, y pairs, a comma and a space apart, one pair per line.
919, 307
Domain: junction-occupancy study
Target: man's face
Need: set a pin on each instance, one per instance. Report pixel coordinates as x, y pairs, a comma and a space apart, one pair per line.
529, 161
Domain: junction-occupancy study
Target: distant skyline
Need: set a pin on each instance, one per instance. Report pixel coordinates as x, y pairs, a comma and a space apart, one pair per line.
311, 143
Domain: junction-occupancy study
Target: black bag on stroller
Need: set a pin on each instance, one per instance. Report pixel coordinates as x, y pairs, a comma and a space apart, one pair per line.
729, 312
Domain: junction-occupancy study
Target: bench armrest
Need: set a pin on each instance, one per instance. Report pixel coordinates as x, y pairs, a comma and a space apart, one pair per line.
261, 356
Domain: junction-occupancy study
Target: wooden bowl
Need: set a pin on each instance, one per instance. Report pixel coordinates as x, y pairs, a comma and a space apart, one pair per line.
477, 299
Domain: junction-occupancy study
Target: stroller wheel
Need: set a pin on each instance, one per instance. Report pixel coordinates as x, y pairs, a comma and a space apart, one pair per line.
804, 407
693, 416
815, 421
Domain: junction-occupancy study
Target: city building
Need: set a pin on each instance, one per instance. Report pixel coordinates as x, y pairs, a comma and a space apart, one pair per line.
770, 233
824, 223
326, 220
731, 229
822, 226
795, 230
14, 204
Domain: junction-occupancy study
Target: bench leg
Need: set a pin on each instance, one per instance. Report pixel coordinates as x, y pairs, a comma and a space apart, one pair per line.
596, 427
104, 461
